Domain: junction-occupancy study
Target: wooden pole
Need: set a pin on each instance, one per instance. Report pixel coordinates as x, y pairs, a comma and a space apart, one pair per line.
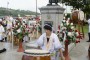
20, 48
82, 30
66, 52
12, 38
89, 52
37, 30
79, 26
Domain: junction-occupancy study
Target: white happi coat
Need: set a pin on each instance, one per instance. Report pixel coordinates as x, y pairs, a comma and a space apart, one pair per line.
89, 24
1, 32
9, 22
55, 44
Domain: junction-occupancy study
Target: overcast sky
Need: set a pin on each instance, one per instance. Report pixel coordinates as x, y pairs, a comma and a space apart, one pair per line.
25, 4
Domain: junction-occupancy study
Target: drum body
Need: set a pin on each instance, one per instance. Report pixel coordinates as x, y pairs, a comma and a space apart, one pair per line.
75, 16
26, 57
35, 54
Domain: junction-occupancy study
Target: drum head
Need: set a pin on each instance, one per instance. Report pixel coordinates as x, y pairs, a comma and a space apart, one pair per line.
32, 45
36, 52
81, 15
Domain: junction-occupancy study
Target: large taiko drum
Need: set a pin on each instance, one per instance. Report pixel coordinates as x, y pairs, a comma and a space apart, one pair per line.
36, 54
77, 15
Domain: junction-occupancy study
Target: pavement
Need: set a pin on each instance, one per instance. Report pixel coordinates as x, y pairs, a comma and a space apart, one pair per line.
80, 51
10, 54
77, 52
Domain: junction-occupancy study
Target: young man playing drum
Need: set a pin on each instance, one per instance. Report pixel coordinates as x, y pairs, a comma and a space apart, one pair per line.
50, 42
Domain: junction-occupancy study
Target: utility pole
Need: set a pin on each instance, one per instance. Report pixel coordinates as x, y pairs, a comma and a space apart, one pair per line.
7, 7
36, 8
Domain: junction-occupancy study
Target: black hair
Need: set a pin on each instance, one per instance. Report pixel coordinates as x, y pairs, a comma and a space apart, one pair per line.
48, 26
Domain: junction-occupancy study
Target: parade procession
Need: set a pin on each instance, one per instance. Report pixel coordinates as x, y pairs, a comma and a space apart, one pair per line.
54, 33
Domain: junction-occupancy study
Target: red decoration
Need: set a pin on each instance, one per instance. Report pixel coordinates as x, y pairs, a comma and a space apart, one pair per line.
16, 23
76, 30
37, 18
19, 18
26, 25
58, 27
12, 25
23, 30
28, 30
77, 41
57, 31
70, 30
66, 41
78, 36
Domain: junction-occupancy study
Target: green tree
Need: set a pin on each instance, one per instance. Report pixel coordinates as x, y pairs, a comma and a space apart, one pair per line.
12, 12
79, 4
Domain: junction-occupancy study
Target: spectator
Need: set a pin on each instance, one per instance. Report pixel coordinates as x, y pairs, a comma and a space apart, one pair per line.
1, 32
89, 29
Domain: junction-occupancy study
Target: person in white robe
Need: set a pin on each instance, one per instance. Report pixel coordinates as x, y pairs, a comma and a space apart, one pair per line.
9, 22
2, 49
1, 32
89, 30
49, 41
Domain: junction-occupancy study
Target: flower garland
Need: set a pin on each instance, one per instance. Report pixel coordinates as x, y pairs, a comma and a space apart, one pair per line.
68, 32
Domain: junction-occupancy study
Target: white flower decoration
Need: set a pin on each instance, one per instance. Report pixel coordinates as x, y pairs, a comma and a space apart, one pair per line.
70, 34
61, 24
72, 27
63, 17
18, 23
68, 18
18, 30
66, 14
64, 28
67, 23
77, 34
71, 23
64, 21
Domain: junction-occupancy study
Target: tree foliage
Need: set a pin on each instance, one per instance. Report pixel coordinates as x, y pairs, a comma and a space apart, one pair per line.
12, 12
79, 4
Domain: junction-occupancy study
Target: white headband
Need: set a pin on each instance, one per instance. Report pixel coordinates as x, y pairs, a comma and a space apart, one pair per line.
47, 25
